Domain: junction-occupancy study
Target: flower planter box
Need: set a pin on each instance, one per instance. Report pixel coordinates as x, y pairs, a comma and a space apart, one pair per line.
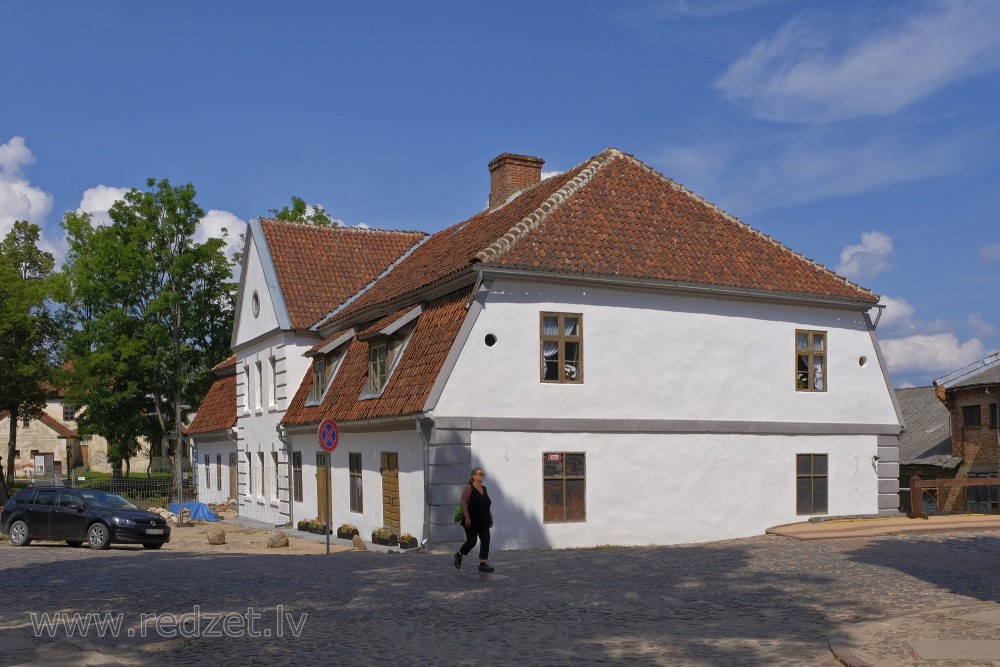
346, 534
408, 544
390, 541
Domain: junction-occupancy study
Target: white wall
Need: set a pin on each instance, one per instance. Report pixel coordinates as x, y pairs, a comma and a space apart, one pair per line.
249, 327
667, 488
213, 448
659, 356
370, 445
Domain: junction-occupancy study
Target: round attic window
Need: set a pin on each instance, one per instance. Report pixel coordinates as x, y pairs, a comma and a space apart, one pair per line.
490, 340
255, 303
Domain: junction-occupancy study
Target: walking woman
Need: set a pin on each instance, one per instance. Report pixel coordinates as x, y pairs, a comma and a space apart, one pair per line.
478, 520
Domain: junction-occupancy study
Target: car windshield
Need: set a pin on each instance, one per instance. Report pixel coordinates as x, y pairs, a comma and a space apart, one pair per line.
108, 500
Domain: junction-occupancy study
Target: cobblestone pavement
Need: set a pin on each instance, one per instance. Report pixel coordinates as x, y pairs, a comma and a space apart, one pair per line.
766, 600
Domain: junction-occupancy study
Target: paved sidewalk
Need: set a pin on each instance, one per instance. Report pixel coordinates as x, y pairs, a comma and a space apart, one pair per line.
825, 530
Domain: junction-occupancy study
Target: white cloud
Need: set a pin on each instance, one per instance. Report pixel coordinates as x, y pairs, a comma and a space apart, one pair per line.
19, 199
990, 253
550, 174
752, 171
899, 320
707, 8
979, 326
98, 200
222, 225
867, 259
935, 354
820, 67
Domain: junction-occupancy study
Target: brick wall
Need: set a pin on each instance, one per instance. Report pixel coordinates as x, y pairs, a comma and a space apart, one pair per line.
976, 445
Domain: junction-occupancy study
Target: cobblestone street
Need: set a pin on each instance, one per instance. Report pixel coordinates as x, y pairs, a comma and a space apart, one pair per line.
760, 601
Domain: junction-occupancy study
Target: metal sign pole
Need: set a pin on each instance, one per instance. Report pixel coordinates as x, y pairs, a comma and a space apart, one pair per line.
329, 499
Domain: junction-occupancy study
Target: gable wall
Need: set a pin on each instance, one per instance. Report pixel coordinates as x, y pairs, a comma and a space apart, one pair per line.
249, 327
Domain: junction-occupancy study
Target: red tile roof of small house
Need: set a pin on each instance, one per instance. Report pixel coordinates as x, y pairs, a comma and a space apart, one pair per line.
319, 268
217, 411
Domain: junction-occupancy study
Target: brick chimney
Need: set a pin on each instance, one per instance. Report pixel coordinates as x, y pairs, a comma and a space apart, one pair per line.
510, 174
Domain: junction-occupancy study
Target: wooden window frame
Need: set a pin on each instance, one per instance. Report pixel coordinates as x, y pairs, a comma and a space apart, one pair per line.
560, 339
812, 475
69, 413
297, 476
380, 371
993, 409
355, 463
218, 472
208, 471
564, 477
967, 411
805, 381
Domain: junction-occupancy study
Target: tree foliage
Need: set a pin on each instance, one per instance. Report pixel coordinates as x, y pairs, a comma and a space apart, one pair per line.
30, 332
153, 314
302, 212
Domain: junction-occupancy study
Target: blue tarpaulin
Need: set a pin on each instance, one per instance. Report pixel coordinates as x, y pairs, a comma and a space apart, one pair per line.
199, 511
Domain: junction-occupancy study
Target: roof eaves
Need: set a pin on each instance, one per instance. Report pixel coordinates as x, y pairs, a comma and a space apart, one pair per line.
657, 283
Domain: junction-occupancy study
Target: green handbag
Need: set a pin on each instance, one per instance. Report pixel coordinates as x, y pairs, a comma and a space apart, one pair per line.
459, 515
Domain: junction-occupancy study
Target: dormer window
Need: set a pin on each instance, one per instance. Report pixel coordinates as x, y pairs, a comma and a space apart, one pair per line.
326, 361
385, 349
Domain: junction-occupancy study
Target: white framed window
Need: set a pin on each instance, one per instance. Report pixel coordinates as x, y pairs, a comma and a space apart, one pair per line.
259, 398
260, 471
325, 368
250, 475
246, 387
274, 468
272, 365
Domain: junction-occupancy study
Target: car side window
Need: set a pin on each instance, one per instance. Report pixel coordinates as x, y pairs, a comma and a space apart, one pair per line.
45, 498
24, 497
67, 499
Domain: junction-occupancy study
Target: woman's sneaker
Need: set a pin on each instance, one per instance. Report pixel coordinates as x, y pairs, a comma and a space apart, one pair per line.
485, 567
458, 559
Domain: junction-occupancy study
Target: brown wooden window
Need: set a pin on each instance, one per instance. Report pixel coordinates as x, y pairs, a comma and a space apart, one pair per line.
811, 483
218, 472
297, 476
562, 347
993, 415
383, 355
564, 480
357, 498
972, 416
208, 472
810, 361
324, 368
69, 413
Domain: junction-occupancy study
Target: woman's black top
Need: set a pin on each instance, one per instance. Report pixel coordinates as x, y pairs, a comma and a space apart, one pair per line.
479, 507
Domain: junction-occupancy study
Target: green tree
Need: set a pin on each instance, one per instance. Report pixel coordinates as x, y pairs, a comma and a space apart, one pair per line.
153, 311
29, 328
299, 212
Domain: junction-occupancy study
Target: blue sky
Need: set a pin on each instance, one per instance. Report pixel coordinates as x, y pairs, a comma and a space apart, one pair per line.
861, 134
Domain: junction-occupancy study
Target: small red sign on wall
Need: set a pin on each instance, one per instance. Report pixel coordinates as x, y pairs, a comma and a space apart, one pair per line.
555, 457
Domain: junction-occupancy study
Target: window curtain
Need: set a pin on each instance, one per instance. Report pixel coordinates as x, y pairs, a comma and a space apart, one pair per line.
818, 373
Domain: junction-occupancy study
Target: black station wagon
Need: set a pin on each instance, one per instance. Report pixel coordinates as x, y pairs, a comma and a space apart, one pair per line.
99, 518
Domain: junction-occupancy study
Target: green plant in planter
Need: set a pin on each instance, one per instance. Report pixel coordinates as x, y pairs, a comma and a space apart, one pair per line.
348, 529
382, 533
407, 541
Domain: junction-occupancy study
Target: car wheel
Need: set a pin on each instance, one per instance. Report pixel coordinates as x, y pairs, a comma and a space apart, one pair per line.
74, 543
99, 537
19, 534
152, 545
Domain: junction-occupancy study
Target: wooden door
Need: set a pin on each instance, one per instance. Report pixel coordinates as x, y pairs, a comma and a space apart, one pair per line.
390, 491
233, 470
322, 484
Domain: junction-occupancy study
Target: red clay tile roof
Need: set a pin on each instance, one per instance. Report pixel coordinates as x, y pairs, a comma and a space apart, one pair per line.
318, 268
62, 431
217, 411
225, 365
611, 215
411, 381
628, 220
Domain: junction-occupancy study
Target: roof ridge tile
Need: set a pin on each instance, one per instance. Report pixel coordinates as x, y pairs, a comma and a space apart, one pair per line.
531, 222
